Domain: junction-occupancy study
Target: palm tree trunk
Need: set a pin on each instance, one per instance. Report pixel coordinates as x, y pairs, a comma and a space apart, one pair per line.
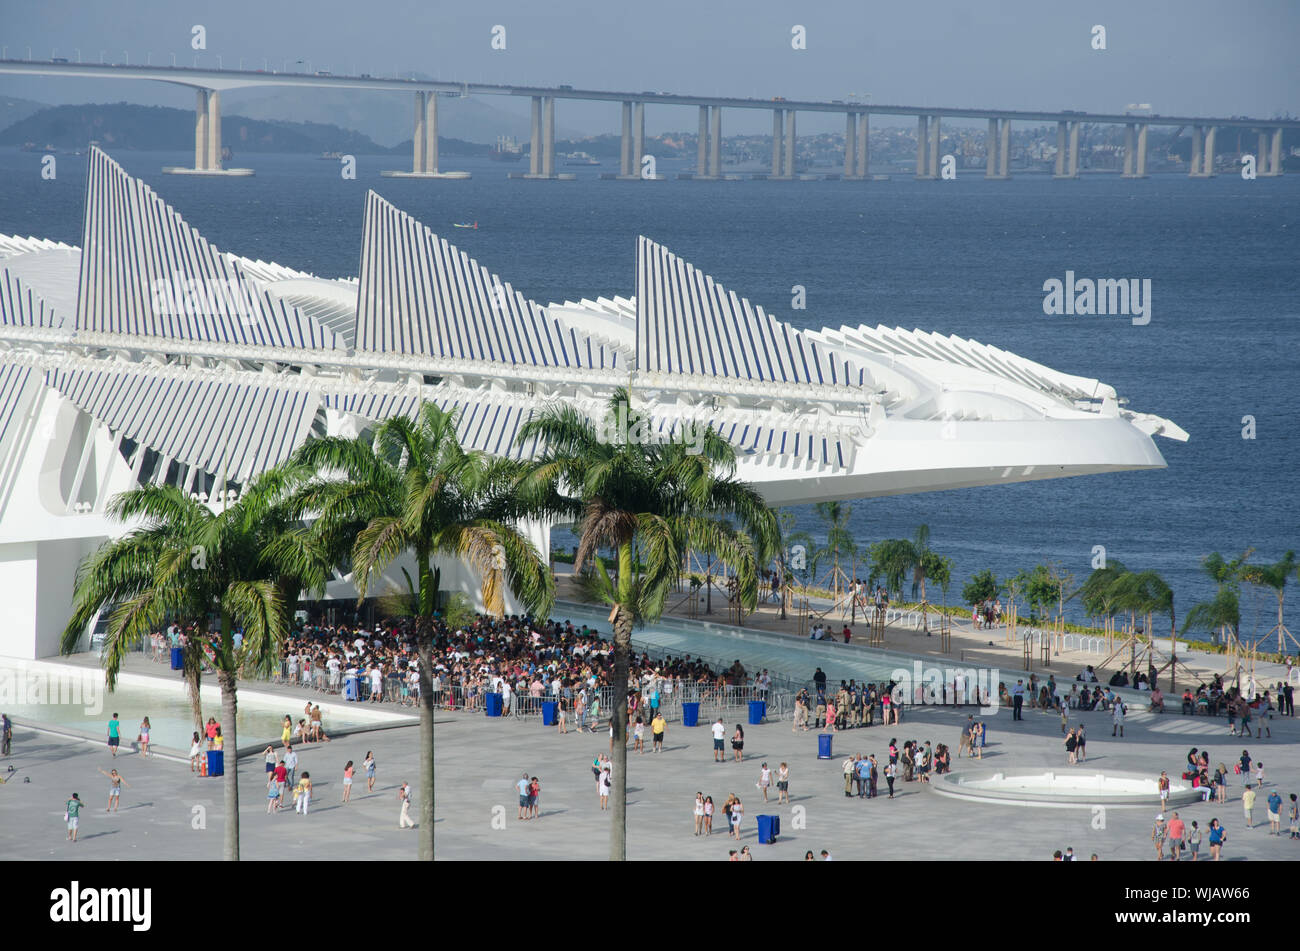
192, 659
230, 779
424, 647
623, 617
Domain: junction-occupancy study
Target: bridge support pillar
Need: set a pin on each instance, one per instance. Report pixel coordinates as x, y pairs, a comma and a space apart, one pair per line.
1141, 170
862, 152
790, 140
1198, 152
715, 144
424, 141
1275, 153
638, 138
535, 139
778, 146
702, 145
1004, 150
922, 146
625, 149
991, 150
1207, 163
548, 139
934, 147
1059, 170
207, 139
1074, 150
1130, 137
850, 145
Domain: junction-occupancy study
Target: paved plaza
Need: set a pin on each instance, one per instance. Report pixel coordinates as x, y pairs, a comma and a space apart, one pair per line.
170, 814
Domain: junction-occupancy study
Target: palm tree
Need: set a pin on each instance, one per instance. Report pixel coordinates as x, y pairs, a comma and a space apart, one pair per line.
411, 489
839, 540
1274, 576
891, 559
647, 502
1097, 593
244, 564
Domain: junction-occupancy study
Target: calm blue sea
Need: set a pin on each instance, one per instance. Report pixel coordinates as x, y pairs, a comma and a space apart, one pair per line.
967, 257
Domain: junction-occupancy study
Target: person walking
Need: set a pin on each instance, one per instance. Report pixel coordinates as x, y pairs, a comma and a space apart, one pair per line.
1080, 742
1274, 813
1162, 787
1293, 818
522, 787
719, 741
1194, 840
272, 793
143, 736
1017, 700
737, 816
196, 750
764, 780
302, 800
738, 744
404, 820
658, 728
1177, 829
699, 813
347, 781
602, 787
1248, 805
72, 815
368, 764
1118, 710
1218, 836
1159, 832
561, 718
1071, 744
891, 771
850, 770
6, 734
783, 785
114, 736
872, 776
115, 784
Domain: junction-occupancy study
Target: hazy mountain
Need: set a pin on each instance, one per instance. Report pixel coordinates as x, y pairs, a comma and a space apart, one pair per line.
12, 109
123, 125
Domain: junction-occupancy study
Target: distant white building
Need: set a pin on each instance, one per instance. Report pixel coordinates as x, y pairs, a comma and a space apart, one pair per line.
149, 355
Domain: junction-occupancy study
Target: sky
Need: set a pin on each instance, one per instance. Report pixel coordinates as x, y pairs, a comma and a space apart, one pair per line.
1200, 57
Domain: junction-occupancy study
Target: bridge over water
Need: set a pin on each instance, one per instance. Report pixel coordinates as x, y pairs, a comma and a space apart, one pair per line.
210, 83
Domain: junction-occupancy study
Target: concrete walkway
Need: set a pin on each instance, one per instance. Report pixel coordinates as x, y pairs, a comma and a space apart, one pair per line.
169, 814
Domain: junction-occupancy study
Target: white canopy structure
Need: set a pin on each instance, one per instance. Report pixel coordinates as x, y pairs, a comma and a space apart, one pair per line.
150, 355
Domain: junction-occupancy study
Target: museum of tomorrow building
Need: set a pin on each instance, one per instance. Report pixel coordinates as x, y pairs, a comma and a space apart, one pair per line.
148, 355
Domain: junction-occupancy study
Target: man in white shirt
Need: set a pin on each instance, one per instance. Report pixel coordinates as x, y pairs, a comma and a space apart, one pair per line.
719, 748
335, 669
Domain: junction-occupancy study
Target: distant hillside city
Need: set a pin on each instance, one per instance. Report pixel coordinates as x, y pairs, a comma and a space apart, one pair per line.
892, 148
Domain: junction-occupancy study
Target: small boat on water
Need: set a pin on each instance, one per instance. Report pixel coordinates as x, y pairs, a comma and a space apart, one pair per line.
466, 224
580, 158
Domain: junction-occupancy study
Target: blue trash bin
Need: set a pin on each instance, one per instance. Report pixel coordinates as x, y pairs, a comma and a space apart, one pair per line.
492, 706
757, 710
549, 712
690, 714
824, 745
177, 658
769, 827
216, 763
351, 690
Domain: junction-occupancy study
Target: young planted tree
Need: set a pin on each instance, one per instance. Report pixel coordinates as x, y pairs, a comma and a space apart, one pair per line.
646, 503
245, 565
411, 489
1275, 577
